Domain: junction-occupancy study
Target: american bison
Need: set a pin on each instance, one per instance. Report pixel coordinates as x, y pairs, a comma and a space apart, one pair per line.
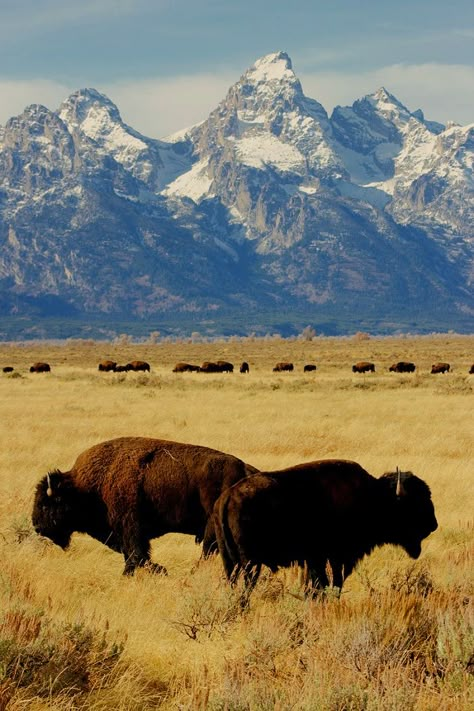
209, 367
283, 366
40, 368
244, 367
225, 366
8, 369
471, 369
326, 515
126, 491
402, 367
363, 366
121, 369
309, 368
185, 368
440, 368
107, 366
138, 365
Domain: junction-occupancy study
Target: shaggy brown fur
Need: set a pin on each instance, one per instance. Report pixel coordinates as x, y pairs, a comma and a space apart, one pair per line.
138, 365
126, 491
40, 368
363, 366
328, 511
402, 367
107, 366
440, 368
282, 366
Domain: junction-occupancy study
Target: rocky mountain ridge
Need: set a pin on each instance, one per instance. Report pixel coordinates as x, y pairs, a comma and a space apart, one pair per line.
268, 206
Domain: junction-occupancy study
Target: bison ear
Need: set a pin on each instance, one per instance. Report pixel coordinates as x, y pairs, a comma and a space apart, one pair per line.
400, 490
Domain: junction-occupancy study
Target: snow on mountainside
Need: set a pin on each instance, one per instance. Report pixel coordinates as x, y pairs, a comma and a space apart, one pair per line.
268, 203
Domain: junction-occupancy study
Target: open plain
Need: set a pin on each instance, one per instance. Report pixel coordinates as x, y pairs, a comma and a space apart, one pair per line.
75, 634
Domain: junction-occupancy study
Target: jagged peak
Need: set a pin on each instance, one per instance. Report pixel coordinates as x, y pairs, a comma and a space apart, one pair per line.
78, 105
383, 99
276, 66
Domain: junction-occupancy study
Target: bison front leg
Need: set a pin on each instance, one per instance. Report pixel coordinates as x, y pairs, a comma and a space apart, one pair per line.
136, 550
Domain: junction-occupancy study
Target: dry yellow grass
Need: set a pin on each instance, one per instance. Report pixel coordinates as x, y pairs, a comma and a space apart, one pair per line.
75, 634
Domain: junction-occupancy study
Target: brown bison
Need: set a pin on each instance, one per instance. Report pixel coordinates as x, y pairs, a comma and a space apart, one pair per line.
126, 491
363, 366
121, 369
225, 366
185, 368
244, 367
402, 367
8, 369
325, 515
309, 368
138, 365
283, 366
471, 369
209, 367
440, 368
107, 366
40, 368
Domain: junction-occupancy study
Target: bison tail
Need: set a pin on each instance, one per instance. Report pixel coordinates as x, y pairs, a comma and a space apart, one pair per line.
225, 540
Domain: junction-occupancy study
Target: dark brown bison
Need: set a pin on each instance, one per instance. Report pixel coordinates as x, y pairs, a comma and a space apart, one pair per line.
309, 368
208, 367
40, 368
8, 369
440, 368
282, 366
225, 366
138, 365
121, 369
185, 368
471, 369
126, 491
363, 366
244, 367
107, 366
402, 367
326, 515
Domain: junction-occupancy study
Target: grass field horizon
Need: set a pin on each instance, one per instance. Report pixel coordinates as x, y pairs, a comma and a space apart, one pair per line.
75, 634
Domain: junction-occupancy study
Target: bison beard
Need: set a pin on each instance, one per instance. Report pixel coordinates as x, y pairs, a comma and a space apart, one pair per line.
324, 512
127, 491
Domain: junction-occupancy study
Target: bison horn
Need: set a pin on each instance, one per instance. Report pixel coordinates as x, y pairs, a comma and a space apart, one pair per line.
49, 490
400, 491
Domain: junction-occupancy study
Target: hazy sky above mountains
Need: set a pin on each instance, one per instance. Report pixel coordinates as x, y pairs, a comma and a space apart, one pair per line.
168, 63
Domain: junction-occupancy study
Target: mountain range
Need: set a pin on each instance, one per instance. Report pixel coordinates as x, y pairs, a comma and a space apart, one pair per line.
268, 214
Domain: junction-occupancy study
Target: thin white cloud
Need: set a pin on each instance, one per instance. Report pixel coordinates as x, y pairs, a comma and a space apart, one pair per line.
17, 95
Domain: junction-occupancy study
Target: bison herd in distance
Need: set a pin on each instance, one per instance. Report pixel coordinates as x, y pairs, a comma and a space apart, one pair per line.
323, 516
222, 366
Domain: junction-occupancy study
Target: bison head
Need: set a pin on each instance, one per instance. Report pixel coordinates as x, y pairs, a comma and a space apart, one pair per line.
412, 512
54, 508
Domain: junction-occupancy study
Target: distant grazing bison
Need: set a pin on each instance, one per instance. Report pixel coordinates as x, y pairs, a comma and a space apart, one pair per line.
363, 366
244, 367
126, 491
138, 365
209, 367
107, 366
185, 368
309, 368
40, 368
326, 515
8, 369
440, 368
402, 367
282, 366
225, 366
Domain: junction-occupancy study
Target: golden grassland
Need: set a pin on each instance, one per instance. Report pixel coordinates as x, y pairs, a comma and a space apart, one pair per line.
75, 634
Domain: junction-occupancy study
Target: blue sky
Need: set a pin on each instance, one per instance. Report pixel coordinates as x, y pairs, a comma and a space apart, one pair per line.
167, 63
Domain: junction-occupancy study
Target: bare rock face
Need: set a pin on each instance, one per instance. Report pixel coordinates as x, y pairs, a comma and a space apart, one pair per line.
269, 204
